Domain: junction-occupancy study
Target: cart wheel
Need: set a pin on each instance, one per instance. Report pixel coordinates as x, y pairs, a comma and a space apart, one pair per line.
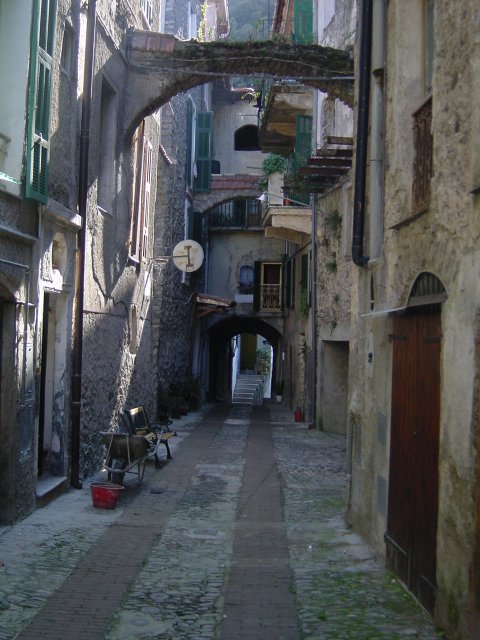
118, 463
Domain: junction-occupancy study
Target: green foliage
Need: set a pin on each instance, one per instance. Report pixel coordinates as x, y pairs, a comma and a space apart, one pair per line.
250, 20
263, 361
203, 32
274, 163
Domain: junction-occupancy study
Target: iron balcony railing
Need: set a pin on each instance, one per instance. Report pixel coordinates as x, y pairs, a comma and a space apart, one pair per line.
237, 213
270, 297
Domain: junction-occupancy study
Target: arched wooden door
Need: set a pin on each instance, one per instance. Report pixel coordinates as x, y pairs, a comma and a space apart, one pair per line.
414, 445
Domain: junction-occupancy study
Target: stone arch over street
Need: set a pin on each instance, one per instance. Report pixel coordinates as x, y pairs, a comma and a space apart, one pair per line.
220, 356
160, 66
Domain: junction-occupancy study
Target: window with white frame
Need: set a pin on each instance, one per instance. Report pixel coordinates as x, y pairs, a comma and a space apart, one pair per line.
66, 59
147, 12
106, 147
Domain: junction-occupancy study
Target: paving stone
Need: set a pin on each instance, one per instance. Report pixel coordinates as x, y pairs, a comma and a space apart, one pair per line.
240, 537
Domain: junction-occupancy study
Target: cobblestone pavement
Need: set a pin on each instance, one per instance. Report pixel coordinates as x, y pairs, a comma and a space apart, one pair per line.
178, 593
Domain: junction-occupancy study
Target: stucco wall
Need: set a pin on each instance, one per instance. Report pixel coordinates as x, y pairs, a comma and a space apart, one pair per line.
229, 251
229, 117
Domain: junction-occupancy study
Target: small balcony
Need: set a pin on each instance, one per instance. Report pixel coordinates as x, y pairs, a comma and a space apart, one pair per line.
236, 214
270, 297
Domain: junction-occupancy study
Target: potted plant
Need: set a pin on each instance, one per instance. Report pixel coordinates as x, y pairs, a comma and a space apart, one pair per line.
279, 390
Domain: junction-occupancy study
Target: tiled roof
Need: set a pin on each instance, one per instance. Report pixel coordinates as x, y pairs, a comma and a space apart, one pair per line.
234, 182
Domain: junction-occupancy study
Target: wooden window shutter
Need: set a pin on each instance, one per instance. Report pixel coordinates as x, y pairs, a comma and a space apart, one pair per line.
197, 227
303, 139
303, 22
146, 195
189, 158
257, 275
290, 284
203, 154
136, 230
305, 277
40, 80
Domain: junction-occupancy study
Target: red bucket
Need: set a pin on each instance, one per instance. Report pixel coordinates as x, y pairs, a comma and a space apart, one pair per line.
298, 415
105, 494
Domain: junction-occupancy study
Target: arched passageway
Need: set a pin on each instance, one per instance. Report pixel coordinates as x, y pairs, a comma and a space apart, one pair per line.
161, 66
220, 350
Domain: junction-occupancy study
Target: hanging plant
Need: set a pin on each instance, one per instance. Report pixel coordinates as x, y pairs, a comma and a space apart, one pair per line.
274, 163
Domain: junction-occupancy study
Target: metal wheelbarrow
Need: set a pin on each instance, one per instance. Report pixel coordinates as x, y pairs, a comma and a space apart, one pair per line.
125, 454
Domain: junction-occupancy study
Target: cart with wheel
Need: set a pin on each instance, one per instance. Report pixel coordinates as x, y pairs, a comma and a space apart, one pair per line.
125, 454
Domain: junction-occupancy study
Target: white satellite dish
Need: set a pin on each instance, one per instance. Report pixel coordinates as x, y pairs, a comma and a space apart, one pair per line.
188, 256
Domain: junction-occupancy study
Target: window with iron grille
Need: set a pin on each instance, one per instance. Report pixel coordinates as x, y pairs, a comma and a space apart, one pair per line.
422, 165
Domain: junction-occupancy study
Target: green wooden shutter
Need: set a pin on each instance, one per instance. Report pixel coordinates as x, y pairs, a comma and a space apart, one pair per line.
305, 278
198, 227
40, 80
257, 275
303, 22
203, 155
290, 284
189, 159
303, 139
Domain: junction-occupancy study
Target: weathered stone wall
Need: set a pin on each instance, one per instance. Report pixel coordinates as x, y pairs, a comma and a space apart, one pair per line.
117, 344
442, 240
173, 299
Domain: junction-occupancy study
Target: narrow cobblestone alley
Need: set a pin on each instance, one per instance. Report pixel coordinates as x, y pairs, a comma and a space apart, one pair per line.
240, 536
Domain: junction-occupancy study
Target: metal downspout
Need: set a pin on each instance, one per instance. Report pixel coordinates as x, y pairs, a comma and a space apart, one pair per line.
314, 316
377, 120
362, 134
76, 390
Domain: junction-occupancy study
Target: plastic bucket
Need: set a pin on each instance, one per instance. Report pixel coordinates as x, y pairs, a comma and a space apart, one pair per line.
105, 495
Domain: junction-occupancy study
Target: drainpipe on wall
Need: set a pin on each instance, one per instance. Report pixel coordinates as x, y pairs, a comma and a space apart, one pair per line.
314, 315
377, 129
362, 134
76, 391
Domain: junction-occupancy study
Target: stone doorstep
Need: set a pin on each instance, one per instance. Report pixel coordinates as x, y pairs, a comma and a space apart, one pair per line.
49, 488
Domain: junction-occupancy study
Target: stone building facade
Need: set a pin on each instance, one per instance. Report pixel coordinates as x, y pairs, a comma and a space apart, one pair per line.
38, 231
88, 215
413, 407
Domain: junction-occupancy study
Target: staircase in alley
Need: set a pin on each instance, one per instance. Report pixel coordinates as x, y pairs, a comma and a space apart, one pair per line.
248, 390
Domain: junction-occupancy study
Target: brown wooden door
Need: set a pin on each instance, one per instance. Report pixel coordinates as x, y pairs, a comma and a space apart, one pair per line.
413, 485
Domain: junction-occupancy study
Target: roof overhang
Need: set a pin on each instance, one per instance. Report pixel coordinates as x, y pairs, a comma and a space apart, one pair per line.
278, 128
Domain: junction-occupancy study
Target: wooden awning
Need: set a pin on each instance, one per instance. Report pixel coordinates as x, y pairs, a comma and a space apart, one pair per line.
207, 303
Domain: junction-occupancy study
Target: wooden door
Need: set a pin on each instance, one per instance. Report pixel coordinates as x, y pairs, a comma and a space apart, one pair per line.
413, 485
